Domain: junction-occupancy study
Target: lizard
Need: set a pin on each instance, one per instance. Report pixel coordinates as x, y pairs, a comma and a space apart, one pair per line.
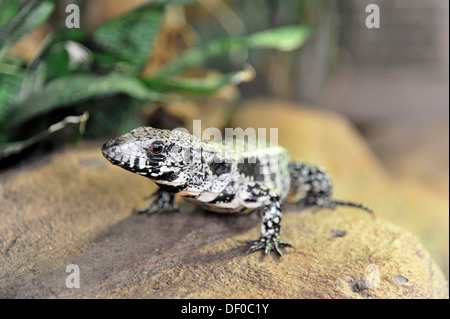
233, 177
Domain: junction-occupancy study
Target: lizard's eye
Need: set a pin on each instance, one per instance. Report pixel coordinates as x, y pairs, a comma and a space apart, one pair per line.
156, 148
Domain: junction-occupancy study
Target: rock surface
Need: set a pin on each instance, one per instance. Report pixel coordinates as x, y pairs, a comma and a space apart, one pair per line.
73, 207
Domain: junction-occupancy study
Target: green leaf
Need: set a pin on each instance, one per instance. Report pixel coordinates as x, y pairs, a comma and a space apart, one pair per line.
200, 86
9, 89
8, 9
284, 39
57, 39
57, 64
29, 17
189, 85
64, 58
73, 89
61, 54
130, 36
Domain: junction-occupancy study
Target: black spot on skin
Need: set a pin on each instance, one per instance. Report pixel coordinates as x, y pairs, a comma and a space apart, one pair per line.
223, 198
153, 162
167, 177
155, 158
173, 148
251, 168
220, 168
171, 189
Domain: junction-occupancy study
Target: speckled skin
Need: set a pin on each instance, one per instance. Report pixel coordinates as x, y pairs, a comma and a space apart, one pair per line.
236, 177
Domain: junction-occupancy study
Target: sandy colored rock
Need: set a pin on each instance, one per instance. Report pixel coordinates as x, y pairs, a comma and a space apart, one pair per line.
167, 257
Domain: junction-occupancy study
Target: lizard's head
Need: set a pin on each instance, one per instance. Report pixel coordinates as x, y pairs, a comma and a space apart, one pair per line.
161, 155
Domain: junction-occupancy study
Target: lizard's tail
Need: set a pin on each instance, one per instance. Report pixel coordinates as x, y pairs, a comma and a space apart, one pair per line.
357, 205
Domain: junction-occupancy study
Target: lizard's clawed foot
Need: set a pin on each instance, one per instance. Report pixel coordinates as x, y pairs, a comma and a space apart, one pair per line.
164, 202
267, 244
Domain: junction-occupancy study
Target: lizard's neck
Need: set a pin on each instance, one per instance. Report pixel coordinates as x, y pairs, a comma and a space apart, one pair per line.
191, 183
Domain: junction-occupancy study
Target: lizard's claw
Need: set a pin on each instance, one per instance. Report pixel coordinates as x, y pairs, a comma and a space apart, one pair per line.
267, 244
164, 202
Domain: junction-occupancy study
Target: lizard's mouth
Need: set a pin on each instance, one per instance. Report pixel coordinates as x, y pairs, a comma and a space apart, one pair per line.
113, 152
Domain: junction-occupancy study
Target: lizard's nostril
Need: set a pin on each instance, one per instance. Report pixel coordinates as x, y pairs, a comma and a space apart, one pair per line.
108, 148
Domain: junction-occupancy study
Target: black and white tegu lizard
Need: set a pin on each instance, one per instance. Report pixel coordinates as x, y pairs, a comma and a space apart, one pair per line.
232, 178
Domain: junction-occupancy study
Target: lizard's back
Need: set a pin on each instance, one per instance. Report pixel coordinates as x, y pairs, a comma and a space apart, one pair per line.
241, 163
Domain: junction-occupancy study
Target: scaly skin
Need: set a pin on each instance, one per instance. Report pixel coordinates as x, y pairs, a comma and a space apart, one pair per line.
231, 178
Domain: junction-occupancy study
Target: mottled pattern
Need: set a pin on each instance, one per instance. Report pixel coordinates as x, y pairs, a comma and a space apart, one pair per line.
236, 177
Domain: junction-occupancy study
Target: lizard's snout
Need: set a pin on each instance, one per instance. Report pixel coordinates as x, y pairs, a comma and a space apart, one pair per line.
120, 151
109, 149
105, 149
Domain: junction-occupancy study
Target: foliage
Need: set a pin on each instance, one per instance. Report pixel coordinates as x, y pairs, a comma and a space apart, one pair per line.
75, 74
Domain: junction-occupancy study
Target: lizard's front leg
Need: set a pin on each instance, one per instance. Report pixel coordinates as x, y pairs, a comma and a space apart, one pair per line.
163, 202
259, 196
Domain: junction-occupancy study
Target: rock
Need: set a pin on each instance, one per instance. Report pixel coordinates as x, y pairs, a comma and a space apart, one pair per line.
73, 207
319, 267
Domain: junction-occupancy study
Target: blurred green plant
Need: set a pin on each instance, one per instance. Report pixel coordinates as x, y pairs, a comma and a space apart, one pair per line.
76, 76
